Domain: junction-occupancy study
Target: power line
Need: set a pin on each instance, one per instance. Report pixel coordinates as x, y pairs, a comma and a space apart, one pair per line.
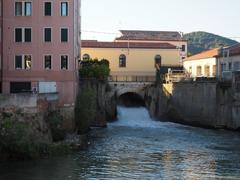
101, 32
108, 33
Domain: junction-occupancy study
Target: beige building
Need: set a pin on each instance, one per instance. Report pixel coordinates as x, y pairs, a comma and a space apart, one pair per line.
133, 56
129, 61
172, 37
203, 64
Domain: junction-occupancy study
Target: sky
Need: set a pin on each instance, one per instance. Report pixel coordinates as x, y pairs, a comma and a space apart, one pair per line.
101, 19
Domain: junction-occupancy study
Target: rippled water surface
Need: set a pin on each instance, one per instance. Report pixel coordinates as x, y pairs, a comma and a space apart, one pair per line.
136, 147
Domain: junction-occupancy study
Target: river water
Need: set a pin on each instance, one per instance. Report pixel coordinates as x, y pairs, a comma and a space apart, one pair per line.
137, 147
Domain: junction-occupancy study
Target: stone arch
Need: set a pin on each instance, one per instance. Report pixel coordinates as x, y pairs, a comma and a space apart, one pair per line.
131, 99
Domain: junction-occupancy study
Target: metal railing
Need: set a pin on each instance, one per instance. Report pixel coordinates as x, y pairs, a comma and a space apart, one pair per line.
175, 76
117, 78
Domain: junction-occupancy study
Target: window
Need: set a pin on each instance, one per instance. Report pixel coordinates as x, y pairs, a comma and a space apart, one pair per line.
47, 8
18, 8
23, 62
158, 61
64, 62
86, 57
20, 87
236, 66
190, 69
122, 60
27, 62
28, 9
27, 35
214, 70
207, 71
225, 53
48, 62
230, 66
183, 48
199, 70
64, 9
47, 34
18, 62
23, 8
23, 35
64, 35
18, 35
223, 67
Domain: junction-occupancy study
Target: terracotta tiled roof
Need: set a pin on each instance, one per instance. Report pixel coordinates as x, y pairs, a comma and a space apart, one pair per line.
203, 55
150, 35
98, 44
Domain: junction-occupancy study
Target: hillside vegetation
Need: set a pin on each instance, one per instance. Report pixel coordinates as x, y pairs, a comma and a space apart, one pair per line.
200, 41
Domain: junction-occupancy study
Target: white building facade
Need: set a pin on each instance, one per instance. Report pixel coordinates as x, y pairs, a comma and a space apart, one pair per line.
202, 65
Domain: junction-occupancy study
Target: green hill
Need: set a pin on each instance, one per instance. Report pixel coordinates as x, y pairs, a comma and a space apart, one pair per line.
200, 41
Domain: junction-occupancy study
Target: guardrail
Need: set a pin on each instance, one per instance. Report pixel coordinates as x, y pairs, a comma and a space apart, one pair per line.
131, 78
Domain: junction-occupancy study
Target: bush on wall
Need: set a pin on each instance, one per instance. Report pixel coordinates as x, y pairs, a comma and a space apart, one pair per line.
94, 68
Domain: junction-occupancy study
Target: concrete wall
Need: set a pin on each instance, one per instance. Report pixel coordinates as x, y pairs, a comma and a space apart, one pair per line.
139, 62
38, 105
193, 102
208, 104
28, 102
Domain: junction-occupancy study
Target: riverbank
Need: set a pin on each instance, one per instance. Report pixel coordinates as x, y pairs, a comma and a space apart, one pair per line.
33, 126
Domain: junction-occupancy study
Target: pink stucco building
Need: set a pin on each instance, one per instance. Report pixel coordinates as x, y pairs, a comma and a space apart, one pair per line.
41, 42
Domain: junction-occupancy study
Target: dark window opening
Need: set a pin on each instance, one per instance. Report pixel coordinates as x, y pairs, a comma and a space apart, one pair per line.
20, 87
28, 34
158, 59
64, 62
47, 34
122, 60
183, 48
18, 35
86, 57
47, 8
48, 62
18, 62
64, 35
18, 8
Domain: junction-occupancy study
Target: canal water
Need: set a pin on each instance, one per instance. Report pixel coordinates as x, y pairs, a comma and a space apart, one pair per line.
137, 147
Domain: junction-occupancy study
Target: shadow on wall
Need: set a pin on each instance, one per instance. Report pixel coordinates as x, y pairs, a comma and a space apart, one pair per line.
131, 99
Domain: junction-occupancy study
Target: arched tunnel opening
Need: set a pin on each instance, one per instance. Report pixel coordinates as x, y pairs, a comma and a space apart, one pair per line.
131, 99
